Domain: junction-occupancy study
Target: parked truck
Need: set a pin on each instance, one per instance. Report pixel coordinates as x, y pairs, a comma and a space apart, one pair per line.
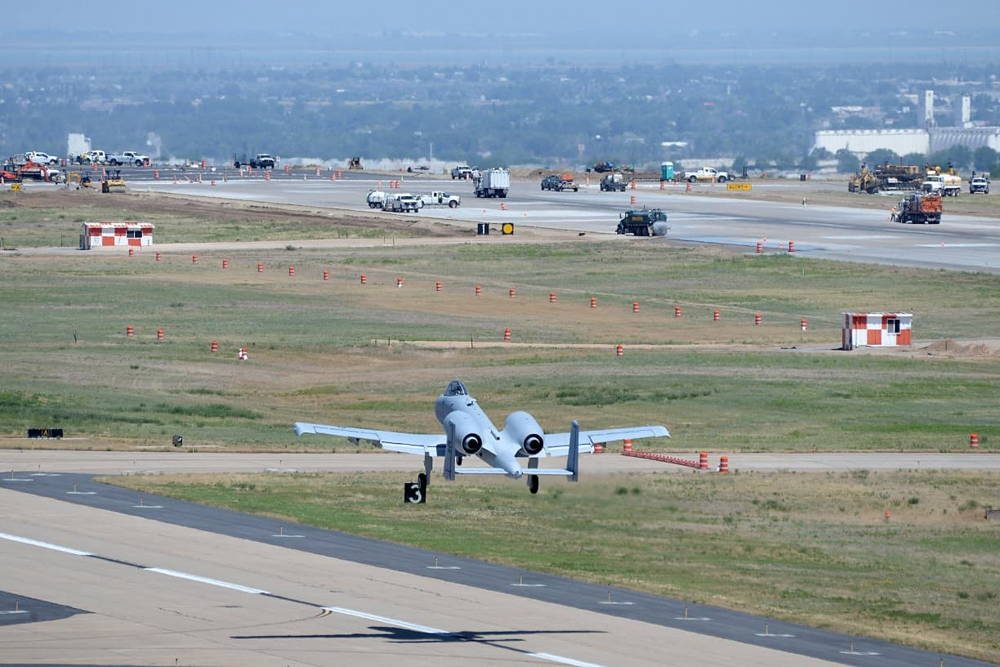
437, 198
947, 185
130, 158
91, 157
560, 182
376, 198
402, 203
643, 222
258, 161
614, 182
918, 208
706, 174
979, 184
492, 183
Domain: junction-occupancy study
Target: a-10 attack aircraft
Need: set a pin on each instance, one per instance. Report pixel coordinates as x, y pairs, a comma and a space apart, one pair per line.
469, 432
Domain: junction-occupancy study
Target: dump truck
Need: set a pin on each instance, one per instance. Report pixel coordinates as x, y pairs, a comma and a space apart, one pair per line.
947, 185
918, 208
643, 222
376, 198
492, 183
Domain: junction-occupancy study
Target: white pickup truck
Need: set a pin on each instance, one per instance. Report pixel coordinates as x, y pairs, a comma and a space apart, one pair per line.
436, 198
38, 157
128, 158
706, 174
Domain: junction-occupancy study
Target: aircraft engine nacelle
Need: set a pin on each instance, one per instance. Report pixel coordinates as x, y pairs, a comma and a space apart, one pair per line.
523, 429
468, 440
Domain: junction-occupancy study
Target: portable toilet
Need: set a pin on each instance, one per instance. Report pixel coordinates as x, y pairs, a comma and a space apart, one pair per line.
666, 171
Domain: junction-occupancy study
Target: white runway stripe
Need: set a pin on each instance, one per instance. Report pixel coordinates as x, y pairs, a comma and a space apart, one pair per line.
206, 580
44, 545
388, 621
561, 660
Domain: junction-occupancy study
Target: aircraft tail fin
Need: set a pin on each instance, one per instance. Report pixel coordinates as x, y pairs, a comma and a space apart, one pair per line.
573, 456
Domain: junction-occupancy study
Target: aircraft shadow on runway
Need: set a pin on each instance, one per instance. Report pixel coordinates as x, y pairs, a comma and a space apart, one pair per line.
405, 635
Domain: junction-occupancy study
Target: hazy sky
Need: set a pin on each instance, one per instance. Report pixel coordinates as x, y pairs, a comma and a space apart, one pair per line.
592, 17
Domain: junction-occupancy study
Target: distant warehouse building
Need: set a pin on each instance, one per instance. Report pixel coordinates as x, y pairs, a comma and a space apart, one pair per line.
876, 330
931, 140
863, 142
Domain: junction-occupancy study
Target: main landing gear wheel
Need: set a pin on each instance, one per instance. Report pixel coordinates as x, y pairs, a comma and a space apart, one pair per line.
533, 484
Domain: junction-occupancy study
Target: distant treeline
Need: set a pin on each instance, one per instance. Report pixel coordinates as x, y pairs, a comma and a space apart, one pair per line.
549, 113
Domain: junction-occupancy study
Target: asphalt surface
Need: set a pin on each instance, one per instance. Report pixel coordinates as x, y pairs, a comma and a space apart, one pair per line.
61, 528
839, 233
181, 461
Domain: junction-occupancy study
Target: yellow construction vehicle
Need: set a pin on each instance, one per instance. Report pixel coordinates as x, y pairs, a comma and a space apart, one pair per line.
113, 182
863, 181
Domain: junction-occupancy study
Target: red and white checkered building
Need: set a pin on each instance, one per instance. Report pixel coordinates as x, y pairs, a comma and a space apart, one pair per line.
876, 330
115, 234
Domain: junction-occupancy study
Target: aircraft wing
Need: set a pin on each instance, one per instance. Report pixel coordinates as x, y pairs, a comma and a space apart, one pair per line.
395, 441
501, 471
557, 444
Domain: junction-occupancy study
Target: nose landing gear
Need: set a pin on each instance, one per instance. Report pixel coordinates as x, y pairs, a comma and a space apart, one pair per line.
533, 484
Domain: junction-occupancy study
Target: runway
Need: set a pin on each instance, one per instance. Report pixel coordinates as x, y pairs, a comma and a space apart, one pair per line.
840, 233
151, 580
176, 462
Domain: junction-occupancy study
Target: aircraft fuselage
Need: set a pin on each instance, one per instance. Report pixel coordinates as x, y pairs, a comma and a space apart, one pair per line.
458, 411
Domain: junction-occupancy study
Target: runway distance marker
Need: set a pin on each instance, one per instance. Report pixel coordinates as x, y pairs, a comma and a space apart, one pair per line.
685, 617
520, 583
615, 602
435, 566
282, 533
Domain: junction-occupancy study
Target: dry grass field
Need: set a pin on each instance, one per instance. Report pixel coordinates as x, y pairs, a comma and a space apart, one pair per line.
814, 548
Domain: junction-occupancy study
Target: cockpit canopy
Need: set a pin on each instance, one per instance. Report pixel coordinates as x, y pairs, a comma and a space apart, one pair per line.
456, 388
